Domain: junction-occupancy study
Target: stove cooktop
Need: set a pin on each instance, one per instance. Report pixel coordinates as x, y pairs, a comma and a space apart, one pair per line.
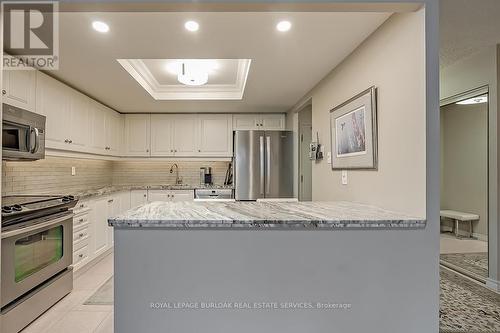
20, 208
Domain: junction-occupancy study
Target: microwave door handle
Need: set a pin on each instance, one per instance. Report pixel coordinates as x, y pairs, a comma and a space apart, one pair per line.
37, 140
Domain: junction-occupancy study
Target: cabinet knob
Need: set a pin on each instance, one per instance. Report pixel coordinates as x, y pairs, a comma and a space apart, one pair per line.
171, 150
4, 91
80, 255
70, 141
81, 235
147, 150
66, 141
199, 150
175, 150
80, 220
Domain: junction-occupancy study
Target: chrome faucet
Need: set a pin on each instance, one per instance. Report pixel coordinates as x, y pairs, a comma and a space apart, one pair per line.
178, 180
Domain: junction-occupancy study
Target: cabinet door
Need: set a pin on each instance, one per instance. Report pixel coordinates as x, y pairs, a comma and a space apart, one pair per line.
138, 197
114, 206
215, 135
161, 135
182, 195
79, 118
246, 122
19, 88
124, 201
273, 121
158, 195
113, 131
100, 225
52, 101
97, 128
137, 135
185, 138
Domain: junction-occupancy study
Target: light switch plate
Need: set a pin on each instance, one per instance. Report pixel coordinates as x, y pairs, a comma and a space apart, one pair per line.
73, 171
344, 177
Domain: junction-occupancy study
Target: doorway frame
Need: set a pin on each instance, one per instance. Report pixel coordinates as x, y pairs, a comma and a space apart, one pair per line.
299, 150
485, 89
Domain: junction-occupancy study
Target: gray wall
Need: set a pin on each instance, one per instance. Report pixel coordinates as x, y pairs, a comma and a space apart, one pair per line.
464, 166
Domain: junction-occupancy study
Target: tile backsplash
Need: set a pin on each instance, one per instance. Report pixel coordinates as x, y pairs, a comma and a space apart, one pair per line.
157, 172
53, 174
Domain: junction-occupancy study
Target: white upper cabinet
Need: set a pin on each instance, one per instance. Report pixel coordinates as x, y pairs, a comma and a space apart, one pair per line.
137, 134
270, 121
19, 88
114, 132
52, 101
162, 135
79, 117
215, 135
246, 122
185, 136
97, 128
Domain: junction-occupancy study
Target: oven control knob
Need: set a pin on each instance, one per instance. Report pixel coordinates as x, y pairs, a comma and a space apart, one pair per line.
17, 208
6, 209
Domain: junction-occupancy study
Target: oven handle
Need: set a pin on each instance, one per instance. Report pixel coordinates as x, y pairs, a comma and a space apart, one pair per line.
37, 226
37, 139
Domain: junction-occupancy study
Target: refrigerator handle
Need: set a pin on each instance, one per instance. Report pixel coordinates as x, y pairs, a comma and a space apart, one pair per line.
262, 165
268, 163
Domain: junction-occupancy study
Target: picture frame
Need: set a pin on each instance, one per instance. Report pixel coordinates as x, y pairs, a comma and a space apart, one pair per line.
354, 132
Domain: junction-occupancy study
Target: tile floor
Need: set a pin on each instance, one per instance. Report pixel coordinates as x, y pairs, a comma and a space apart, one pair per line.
450, 244
71, 315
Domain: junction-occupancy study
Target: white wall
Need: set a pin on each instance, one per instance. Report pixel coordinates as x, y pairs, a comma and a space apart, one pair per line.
393, 59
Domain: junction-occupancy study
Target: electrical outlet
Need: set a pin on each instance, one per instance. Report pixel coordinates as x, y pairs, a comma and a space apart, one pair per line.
73, 171
344, 177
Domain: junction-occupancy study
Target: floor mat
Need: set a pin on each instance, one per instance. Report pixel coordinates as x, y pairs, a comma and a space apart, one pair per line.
466, 306
475, 263
103, 296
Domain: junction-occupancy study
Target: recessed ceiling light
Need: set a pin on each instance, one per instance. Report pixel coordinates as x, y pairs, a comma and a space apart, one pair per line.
100, 26
192, 25
283, 26
474, 100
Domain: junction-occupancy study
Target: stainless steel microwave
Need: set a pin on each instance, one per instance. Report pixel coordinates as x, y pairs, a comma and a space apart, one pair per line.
23, 134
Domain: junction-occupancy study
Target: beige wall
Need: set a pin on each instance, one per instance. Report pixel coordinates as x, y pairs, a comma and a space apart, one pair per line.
53, 174
393, 59
464, 168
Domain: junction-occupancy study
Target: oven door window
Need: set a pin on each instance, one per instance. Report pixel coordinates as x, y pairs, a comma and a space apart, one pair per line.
37, 251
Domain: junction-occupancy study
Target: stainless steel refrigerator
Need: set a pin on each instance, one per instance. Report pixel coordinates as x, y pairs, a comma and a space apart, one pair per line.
263, 164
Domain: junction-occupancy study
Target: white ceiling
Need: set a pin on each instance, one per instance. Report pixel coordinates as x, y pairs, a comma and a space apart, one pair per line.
285, 66
467, 27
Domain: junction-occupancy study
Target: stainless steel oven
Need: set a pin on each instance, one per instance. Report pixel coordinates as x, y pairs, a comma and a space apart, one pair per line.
23, 134
37, 253
34, 254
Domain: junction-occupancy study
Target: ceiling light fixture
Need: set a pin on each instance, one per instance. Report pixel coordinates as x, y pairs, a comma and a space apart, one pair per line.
192, 26
284, 26
192, 75
100, 26
474, 100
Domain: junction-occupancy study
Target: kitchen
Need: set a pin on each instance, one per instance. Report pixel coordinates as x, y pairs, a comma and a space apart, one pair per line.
123, 132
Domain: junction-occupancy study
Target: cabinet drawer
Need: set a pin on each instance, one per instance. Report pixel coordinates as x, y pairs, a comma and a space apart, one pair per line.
80, 234
81, 206
80, 254
79, 220
78, 244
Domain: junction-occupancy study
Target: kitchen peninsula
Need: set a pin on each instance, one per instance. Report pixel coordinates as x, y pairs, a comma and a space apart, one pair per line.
266, 266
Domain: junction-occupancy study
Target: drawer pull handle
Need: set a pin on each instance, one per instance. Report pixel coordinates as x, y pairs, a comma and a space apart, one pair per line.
80, 255
81, 235
80, 220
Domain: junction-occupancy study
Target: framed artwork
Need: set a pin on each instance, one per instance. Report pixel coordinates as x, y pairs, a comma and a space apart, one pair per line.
353, 132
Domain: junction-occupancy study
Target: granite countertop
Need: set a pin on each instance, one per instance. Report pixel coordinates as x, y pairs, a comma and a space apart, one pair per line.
117, 188
273, 215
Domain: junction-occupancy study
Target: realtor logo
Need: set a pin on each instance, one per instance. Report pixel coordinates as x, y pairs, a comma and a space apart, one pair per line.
31, 34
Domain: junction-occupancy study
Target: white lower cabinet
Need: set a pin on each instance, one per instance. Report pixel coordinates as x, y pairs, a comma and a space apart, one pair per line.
91, 234
138, 197
170, 195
